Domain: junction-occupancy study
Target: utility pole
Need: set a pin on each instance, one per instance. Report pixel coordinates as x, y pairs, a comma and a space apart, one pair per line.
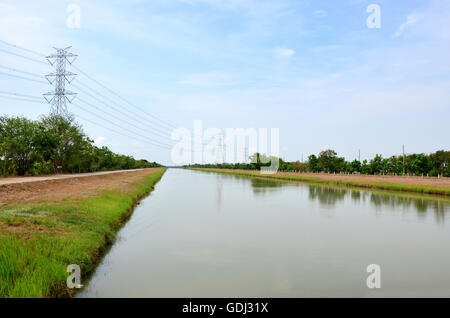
219, 153
403, 159
359, 155
58, 98
245, 154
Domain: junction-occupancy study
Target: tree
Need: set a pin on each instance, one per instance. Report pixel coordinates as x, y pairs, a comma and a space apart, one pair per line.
69, 139
313, 163
299, 166
440, 163
376, 164
326, 160
365, 169
355, 166
18, 136
38, 147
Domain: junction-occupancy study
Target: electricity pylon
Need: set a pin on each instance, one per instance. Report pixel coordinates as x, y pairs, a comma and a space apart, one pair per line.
59, 97
219, 152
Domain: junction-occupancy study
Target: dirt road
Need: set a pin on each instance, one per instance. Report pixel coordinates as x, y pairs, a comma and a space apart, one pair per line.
58, 176
66, 187
425, 181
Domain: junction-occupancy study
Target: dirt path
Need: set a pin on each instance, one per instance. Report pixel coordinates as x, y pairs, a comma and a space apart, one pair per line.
426, 181
67, 187
4, 181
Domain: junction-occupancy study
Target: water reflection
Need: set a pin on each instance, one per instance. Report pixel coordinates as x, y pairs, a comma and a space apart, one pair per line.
329, 197
262, 186
326, 196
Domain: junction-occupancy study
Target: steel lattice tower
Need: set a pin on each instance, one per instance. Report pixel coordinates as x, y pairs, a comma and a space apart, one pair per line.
60, 96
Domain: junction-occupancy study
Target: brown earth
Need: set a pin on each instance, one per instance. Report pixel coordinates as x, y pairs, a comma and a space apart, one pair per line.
425, 181
67, 189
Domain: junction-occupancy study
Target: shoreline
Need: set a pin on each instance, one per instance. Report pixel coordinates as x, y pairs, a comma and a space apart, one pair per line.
378, 185
40, 241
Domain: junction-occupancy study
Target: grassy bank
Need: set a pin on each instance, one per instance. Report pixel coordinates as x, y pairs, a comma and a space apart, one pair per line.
38, 242
357, 184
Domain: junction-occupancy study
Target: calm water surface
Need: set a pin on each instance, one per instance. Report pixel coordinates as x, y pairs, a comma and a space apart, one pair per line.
210, 235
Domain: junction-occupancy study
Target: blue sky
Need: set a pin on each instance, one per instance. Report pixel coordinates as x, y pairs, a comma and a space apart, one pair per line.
313, 69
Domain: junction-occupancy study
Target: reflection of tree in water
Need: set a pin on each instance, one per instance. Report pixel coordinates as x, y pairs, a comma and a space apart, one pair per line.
326, 196
331, 196
420, 205
263, 186
260, 186
356, 196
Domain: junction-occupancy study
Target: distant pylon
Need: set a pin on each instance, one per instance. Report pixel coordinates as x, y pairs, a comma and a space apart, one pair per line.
219, 152
58, 98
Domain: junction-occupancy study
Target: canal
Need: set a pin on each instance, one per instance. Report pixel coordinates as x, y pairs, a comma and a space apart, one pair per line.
202, 234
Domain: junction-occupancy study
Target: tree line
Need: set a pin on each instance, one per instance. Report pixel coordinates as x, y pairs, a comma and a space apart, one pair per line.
55, 144
328, 161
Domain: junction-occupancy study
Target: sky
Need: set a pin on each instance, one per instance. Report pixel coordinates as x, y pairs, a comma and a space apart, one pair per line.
312, 69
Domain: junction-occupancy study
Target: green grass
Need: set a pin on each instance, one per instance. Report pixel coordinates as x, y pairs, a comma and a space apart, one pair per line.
366, 185
37, 243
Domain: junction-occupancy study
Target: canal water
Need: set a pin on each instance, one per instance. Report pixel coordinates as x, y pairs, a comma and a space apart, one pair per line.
205, 234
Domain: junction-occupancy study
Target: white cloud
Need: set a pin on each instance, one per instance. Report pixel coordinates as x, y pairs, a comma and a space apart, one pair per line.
411, 20
99, 140
284, 52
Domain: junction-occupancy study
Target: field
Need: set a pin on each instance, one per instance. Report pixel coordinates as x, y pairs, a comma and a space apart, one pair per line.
45, 226
53, 189
424, 185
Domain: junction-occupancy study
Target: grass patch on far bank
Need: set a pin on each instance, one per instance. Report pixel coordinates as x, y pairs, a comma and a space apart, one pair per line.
357, 184
37, 243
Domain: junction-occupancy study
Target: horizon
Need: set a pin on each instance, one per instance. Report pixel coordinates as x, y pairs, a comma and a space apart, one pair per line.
315, 71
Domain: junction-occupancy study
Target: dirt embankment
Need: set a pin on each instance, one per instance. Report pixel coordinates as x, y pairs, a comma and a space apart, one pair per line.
425, 181
68, 188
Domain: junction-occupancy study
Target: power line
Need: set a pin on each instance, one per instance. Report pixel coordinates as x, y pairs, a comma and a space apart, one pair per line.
22, 48
117, 132
119, 105
24, 57
95, 123
22, 77
82, 72
117, 95
60, 76
19, 71
117, 110
85, 74
148, 128
121, 127
20, 95
21, 99
115, 117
